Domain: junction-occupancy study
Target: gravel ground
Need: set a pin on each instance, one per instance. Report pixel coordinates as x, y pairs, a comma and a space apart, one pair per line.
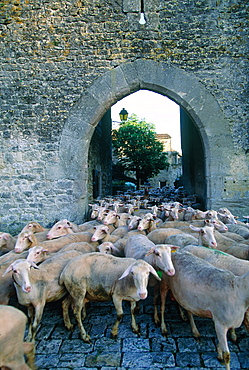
59, 349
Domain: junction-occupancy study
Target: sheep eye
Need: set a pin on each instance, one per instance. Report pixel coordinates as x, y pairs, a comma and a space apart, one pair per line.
15, 271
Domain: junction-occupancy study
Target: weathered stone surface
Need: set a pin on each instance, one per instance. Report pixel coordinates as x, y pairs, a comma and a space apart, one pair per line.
64, 64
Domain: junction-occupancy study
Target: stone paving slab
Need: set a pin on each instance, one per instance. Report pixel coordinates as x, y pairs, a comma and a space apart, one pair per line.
59, 349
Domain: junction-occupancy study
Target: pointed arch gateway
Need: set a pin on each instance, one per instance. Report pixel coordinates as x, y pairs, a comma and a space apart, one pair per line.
202, 115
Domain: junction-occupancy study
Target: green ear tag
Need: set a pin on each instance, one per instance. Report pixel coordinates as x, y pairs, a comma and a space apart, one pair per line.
160, 274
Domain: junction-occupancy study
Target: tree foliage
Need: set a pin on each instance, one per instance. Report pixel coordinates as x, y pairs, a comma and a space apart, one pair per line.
137, 149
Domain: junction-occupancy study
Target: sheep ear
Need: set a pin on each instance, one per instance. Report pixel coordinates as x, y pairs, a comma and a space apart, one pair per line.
151, 251
33, 264
153, 272
194, 228
174, 248
7, 270
126, 272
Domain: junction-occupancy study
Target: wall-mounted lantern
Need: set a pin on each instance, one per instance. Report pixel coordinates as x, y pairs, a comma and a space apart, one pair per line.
123, 115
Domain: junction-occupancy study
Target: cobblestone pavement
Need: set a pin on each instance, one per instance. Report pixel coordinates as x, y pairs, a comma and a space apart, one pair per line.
57, 348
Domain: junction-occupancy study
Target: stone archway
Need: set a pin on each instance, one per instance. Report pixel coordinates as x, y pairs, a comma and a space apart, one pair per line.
182, 87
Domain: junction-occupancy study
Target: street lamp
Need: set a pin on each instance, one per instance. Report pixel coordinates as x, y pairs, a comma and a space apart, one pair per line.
123, 114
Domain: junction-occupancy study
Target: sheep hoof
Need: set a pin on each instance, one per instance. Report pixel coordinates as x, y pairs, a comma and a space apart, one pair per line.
87, 339
136, 330
157, 323
165, 334
198, 338
70, 327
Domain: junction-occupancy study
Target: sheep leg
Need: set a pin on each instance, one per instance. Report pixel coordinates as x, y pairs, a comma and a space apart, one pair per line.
156, 296
66, 303
29, 350
246, 320
163, 293
134, 325
182, 313
194, 329
31, 314
233, 335
38, 315
77, 308
118, 305
83, 313
222, 348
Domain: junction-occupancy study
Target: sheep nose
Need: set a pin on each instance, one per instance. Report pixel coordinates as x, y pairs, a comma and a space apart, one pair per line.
142, 295
171, 272
28, 289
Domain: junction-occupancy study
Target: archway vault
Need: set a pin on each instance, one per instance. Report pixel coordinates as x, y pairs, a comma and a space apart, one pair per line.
182, 87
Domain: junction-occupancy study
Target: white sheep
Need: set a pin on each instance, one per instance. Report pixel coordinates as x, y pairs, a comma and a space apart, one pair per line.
181, 240
104, 278
107, 247
102, 234
158, 256
206, 291
205, 235
12, 347
133, 222
38, 253
147, 223
29, 240
241, 230
7, 242
62, 227
38, 285
7, 287
159, 235
228, 245
224, 261
34, 226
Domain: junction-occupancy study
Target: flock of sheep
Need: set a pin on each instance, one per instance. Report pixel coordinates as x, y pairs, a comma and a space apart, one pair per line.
126, 245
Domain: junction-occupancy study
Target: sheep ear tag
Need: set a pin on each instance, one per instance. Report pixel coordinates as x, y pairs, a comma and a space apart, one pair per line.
160, 274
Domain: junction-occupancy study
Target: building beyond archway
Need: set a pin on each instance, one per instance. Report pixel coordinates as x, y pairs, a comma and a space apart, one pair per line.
198, 104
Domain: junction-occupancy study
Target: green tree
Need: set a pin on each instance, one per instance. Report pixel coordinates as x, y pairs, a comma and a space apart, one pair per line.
137, 149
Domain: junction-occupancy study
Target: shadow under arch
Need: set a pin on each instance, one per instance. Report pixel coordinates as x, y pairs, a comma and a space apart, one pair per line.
180, 86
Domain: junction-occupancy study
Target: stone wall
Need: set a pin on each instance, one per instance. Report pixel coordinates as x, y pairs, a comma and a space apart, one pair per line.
53, 55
